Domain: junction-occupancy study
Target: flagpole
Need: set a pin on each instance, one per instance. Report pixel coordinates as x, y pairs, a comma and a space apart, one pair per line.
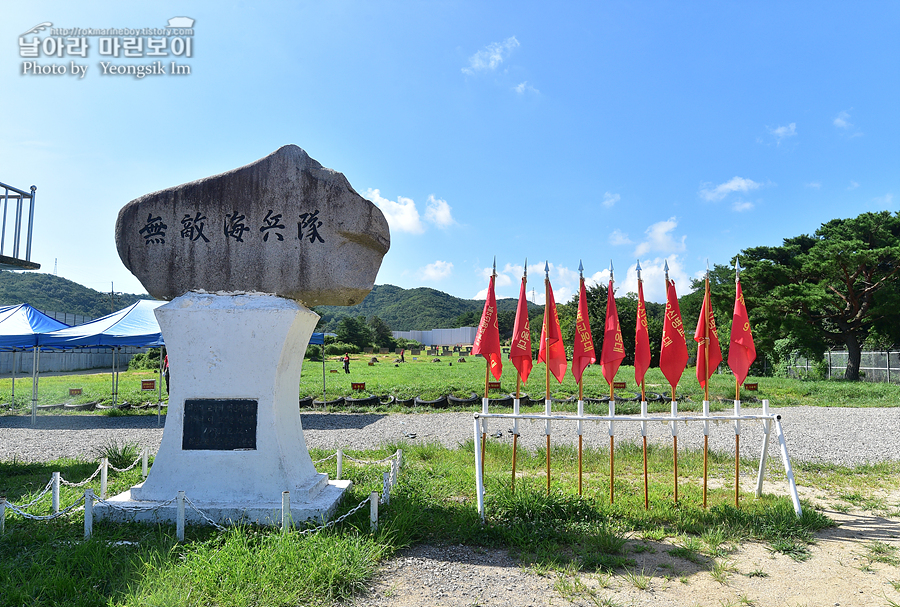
547, 362
706, 305
737, 408
580, 383
487, 374
643, 406
612, 406
674, 410
518, 395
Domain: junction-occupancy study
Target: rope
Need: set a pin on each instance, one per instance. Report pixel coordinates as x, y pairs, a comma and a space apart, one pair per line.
325, 459
136, 462
341, 519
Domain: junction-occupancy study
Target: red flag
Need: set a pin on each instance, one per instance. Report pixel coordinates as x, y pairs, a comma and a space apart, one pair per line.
520, 349
557, 359
673, 354
613, 348
741, 351
487, 341
641, 339
583, 348
706, 327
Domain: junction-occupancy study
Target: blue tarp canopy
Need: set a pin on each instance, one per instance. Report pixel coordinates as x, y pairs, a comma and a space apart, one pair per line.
132, 326
20, 325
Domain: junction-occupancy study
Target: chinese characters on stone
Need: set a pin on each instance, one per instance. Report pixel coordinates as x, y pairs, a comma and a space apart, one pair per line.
235, 226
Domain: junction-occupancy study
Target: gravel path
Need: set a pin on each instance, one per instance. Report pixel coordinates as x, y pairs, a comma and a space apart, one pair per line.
845, 436
463, 576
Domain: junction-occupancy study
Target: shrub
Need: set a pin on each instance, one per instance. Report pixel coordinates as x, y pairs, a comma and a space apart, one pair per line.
339, 348
147, 360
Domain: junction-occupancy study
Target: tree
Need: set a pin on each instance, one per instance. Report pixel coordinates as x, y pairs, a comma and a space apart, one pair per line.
831, 288
381, 333
353, 330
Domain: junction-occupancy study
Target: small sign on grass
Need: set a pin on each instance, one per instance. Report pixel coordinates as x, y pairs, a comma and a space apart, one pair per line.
619, 385
74, 391
751, 387
493, 385
361, 385
148, 384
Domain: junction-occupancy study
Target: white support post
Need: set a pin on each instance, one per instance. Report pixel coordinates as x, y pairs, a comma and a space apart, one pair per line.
55, 492
479, 478
484, 409
612, 413
104, 471
761, 473
88, 513
144, 462
373, 511
179, 519
792, 484
285, 511
767, 432
340, 464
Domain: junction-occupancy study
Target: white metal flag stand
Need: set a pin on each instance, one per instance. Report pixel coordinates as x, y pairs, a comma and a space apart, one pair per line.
768, 420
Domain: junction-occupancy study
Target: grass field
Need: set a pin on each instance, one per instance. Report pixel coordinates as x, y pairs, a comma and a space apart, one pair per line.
430, 380
49, 562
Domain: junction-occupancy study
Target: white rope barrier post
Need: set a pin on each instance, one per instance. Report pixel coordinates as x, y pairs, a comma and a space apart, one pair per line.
399, 459
479, 475
88, 513
179, 518
144, 462
104, 471
767, 432
792, 485
2, 515
285, 511
386, 489
373, 509
340, 463
55, 492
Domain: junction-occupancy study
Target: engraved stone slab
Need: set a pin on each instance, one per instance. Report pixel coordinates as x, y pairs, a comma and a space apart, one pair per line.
219, 424
283, 225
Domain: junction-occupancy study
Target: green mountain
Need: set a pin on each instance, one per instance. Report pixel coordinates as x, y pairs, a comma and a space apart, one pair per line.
417, 309
51, 293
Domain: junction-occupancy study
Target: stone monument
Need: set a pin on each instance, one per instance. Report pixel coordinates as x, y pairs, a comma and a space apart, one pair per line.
240, 256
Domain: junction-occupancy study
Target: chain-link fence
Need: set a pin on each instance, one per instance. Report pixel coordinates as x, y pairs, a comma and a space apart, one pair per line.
873, 366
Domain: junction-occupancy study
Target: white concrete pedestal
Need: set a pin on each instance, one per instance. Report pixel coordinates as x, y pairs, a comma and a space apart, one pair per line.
227, 352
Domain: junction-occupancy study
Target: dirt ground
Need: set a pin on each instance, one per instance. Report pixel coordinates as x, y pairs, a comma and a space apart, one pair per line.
841, 572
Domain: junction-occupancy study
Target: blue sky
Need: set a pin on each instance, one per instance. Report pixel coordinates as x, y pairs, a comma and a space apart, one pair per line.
561, 132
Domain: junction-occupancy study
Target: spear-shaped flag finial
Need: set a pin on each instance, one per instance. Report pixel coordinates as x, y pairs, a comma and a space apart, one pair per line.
494, 271
666, 268
525, 270
611, 271
546, 270
638, 268
737, 269
580, 269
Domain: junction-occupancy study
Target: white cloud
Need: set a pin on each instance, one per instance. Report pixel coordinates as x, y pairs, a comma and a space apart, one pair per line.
814, 184
853, 185
524, 87
618, 237
610, 199
739, 206
438, 212
783, 132
436, 271
843, 121
737, 184
488, 58
653, 278
401, 216
659, 238
884, 201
